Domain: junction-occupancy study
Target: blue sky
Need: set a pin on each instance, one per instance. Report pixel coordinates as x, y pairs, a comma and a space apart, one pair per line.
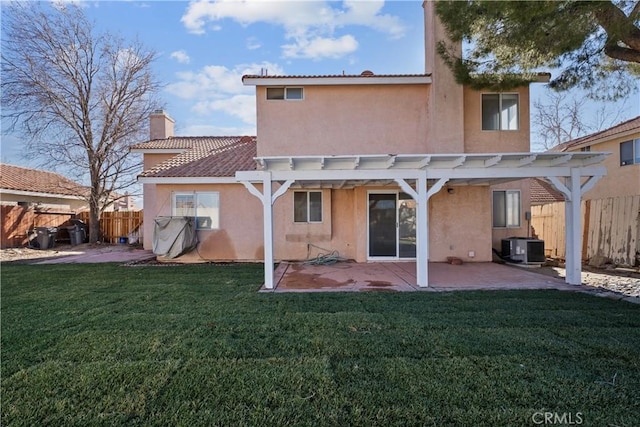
205, 47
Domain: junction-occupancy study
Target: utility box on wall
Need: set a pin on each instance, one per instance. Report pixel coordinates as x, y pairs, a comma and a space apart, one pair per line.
523, 250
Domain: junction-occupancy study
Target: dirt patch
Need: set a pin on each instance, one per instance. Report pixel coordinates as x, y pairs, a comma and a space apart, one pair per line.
377, 283
25, 254
298, 280
84, 253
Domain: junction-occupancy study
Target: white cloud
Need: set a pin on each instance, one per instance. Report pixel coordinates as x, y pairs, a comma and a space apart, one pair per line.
321, 47
240, 106
61, 4
305, 22
216, 88
126, 59
200, 129
253, 43
180, 56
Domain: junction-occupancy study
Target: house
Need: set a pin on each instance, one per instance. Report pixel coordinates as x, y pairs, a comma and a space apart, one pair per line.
377, 167
611, 209
31, 198
22, 186
623, 167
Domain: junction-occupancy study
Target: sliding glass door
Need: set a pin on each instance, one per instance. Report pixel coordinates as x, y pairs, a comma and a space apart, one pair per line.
392, 225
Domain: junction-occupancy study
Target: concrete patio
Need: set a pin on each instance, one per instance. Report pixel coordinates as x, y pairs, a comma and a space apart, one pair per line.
401, 277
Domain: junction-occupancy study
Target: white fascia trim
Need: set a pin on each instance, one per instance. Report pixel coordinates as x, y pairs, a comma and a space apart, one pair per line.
159, 150
36, 194
336, 81
188, 180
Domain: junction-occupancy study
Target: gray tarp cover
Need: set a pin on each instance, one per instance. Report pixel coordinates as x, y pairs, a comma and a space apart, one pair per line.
174, 236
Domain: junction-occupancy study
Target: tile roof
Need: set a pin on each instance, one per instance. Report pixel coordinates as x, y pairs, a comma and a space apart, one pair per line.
542, 192
186, 143
601, 136
38, 181
216, 156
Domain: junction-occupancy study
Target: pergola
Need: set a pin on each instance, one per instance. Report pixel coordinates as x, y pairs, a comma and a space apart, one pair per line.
423, 175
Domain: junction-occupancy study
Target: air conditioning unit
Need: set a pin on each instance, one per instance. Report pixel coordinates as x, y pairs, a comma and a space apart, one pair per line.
523, 250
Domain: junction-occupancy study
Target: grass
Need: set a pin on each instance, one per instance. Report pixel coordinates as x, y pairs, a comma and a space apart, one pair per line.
197, 345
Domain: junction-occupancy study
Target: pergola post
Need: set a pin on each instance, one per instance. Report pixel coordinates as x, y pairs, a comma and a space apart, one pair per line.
267, 197
573, 231
267, 215
422, 232
573, 192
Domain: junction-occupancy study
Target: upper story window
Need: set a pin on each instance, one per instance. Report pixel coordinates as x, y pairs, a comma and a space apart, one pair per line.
630, 152
500, 111
288, 93
203, 206
307, 206
587, 148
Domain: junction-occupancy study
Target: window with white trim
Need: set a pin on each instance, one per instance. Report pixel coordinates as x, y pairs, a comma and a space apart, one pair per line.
307, 206
630, 152
203, 206
500, 111
285, 93
506, 208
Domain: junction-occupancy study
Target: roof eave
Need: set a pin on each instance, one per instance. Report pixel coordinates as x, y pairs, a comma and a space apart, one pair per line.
158, 150
39, 194
187, 180
335, 80
608, 138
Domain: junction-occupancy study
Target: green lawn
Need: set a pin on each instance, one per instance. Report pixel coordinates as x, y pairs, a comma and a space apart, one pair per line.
197, 345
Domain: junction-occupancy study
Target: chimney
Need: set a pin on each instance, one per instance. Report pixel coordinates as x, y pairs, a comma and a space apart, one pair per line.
160, 125
445, 104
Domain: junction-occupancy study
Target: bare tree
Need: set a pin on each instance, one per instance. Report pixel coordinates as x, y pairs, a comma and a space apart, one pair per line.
562, 118
559, 120
79, 96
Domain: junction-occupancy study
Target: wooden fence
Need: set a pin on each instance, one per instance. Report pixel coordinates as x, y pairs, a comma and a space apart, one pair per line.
19, 223
610, 228
117, 225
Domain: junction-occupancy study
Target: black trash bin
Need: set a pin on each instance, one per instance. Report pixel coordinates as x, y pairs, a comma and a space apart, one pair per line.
46, 237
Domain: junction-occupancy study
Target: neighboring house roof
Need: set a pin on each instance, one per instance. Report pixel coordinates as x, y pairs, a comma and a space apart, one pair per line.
33, 181
542, 192
216, 156
619, 130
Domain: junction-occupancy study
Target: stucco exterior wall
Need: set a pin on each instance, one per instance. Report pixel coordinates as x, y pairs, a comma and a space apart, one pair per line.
344, 227
334, 120
446, 101
239, 236
460, 222
466, 205
52, 203
620, 180
149, 160
334, 233
477, 140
